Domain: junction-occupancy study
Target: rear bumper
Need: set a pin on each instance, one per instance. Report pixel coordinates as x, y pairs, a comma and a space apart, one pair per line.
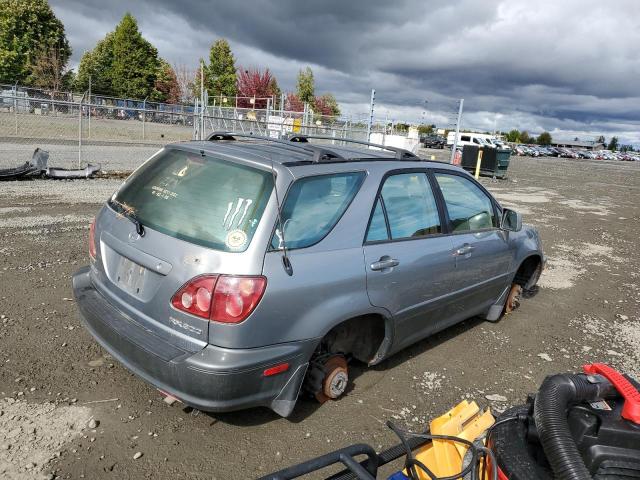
213, 379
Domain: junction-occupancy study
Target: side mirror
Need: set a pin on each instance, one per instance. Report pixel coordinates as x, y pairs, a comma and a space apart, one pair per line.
511, 220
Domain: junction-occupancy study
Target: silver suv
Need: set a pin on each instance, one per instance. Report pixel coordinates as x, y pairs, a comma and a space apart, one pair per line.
239, 271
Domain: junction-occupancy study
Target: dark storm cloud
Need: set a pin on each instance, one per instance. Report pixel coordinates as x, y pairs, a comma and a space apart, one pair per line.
561, 66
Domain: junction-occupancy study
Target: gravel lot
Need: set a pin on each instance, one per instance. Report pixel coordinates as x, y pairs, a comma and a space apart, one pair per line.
67, 409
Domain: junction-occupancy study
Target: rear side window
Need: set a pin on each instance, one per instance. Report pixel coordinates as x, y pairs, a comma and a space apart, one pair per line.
200, 199
410, 206
468, 206
313, 207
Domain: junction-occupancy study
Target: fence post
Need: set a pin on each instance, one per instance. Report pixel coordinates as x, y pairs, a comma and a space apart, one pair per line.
371, 107
455, 140
80, 131
144, 115
15, 105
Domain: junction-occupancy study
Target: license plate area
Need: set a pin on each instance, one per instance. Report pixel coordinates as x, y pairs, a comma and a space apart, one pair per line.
131, 277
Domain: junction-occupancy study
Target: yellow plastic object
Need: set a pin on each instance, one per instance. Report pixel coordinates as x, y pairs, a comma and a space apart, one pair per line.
444, 457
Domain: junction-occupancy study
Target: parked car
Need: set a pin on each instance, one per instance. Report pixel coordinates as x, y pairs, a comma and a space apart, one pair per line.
234, 272
433, 141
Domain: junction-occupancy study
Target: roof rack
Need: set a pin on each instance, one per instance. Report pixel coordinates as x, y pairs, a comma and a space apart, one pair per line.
400, 153
319, 154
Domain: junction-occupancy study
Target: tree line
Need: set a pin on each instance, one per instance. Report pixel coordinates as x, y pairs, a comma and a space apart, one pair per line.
34, 51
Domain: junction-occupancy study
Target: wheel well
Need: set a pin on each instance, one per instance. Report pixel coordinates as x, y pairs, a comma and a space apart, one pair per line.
528, 268
360, 337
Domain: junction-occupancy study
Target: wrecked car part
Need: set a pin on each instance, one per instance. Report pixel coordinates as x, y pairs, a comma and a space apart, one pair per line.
65, 173
35, 166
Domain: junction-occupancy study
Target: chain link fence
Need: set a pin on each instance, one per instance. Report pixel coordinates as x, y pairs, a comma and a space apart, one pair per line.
120, 134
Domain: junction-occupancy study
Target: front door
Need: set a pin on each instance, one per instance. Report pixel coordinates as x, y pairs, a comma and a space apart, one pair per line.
481, 250
408, 259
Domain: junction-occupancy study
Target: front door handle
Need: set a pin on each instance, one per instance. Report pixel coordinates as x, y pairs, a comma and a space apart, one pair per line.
384, 263
464, 250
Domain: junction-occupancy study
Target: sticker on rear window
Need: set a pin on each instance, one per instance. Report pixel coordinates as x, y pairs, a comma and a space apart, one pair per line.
236, 239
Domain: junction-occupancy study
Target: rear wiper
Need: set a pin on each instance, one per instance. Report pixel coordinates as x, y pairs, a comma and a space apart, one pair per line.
130, 214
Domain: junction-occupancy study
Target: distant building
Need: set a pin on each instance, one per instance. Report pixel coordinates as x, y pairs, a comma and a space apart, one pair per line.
585, 145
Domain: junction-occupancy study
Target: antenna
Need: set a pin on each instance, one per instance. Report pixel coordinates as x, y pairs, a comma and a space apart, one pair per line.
286, 263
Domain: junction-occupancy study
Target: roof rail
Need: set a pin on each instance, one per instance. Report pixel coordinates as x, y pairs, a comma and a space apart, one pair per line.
400, 153
319, 154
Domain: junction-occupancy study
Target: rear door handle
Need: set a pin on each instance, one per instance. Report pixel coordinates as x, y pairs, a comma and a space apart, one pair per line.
384, 263
464, 250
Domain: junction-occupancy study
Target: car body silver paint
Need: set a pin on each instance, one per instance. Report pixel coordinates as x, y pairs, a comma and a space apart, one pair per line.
332, 280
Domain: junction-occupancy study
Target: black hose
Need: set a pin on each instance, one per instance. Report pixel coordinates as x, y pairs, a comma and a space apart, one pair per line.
556, 394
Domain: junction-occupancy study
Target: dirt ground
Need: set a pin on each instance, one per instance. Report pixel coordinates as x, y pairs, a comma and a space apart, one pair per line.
67, 410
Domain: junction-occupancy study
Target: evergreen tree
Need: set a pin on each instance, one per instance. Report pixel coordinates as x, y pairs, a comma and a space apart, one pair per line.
27, 27
274, 88
305, 89
613, 144
221, 73
135, 61
97, 65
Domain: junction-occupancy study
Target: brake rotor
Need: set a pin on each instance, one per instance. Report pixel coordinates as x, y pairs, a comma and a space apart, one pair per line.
336, 378
513, 300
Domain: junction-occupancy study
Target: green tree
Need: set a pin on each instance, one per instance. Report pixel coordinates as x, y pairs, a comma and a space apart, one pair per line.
27, 27
601, 139
275, 91
96, 66
513, 136
613, 144
524, 137
135, 61
305, 89
221, 73
425, 129
544, 138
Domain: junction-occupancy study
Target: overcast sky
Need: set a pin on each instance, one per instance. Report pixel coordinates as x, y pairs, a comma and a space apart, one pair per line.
571, 67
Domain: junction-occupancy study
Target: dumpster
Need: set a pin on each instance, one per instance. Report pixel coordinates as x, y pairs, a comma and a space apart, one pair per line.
495, 161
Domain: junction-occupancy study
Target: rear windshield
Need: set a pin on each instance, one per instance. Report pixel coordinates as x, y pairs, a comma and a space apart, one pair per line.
201, 199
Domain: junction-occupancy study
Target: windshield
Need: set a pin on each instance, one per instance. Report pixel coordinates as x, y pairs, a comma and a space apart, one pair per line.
200, 199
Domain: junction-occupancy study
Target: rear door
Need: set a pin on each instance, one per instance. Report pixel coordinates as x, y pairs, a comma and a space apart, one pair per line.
408, 259
480, 249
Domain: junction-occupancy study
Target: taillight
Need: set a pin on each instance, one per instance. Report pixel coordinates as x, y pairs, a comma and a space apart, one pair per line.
220, 298
92, 240
235, 298
195, 296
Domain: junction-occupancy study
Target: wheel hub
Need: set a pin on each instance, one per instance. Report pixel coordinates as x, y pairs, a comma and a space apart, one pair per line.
513, 300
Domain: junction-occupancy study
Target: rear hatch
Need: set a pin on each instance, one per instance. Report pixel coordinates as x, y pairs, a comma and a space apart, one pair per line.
180, 215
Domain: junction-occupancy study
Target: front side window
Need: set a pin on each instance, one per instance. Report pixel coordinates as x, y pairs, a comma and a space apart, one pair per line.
468, 206
313, 207
411, 209
198, 198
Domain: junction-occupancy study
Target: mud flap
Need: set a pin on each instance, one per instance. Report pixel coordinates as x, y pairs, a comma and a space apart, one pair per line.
495, 311
284, 403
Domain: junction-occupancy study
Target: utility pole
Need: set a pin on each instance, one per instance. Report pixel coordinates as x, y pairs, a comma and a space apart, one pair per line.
371, 107
455, 140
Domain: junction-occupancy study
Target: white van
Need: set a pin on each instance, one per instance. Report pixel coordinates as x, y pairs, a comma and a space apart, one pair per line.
466, 138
